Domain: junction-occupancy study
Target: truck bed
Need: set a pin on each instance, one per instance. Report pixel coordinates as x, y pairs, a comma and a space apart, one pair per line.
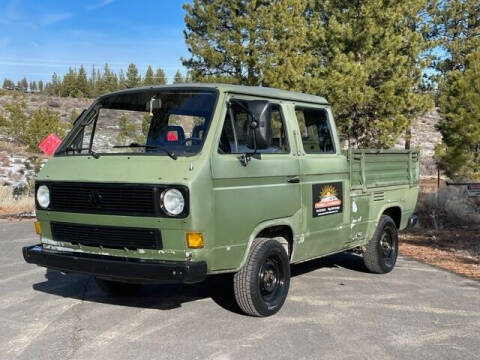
379, 168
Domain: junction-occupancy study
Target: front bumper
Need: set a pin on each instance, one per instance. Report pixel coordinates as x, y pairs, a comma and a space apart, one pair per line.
128, 269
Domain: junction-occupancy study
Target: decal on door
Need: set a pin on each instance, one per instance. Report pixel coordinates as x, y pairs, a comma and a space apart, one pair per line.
327, 199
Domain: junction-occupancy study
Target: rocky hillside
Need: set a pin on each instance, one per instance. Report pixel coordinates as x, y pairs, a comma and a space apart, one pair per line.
17, 165
425, 137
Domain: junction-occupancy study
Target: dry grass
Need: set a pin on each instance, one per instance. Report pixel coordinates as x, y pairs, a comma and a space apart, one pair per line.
11, 206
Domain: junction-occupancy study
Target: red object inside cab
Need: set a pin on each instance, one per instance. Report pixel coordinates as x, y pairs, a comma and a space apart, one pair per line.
49, 144
172, 136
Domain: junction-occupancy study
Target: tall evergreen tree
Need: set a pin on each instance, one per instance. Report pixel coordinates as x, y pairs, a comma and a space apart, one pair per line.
133, 79
54, 87
23, 84
149, 78
8, 84
40, 85
457, 32
459, 105
81, 83
456, 29
248, 42
69, 83
160, 78
33, 86
122, 81
368, 64
178, 78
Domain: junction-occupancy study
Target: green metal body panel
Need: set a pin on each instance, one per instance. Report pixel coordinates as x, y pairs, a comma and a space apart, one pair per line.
231, 203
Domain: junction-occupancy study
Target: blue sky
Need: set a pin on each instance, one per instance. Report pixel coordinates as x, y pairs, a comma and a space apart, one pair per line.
39, 37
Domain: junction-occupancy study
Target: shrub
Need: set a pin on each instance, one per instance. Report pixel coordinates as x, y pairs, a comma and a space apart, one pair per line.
454, 208
44, 121
17, 121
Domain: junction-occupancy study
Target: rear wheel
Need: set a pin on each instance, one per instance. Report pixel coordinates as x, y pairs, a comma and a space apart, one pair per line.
261, 285
116, 288
381, 251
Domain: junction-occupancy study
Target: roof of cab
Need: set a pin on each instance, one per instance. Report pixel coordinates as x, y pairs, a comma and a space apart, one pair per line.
235, 89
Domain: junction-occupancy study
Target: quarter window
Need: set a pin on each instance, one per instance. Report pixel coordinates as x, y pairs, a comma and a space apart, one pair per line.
315, 130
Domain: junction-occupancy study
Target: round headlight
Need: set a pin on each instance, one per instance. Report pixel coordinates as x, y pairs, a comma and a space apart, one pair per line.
173, 202
43, 196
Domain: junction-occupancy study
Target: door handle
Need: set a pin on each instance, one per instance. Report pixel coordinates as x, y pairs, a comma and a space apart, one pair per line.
294, 180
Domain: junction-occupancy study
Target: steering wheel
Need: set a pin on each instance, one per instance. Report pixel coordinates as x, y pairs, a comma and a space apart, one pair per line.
192, 139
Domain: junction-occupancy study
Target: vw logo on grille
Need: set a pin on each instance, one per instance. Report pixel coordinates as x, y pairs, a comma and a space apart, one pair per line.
95, 199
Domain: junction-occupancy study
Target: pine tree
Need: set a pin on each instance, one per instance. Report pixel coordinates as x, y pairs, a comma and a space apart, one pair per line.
23, 84
178, 78
248, 42
54, 87
108, 81
160, 78
149, 79
44, 121
81, 83
69, 83
17, 121
122, 82
40, 86
92, 91
457, 31
368, 65
133, 79
33, 86
8, 84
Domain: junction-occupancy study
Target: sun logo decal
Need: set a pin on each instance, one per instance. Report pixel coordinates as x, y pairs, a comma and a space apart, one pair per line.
328, 197
328, 190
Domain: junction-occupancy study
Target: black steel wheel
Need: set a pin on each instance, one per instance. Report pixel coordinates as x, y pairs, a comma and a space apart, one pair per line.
261, 286
381, 251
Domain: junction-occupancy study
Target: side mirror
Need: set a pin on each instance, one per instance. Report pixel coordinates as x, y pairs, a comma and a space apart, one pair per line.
259, 132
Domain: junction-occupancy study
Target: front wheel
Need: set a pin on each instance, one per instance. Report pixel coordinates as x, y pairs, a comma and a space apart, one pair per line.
381, 251
261, 285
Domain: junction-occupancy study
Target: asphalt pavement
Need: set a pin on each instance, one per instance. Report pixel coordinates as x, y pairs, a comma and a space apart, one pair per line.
335, 310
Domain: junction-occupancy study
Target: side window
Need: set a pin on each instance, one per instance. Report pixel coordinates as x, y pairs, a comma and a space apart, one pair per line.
315, 130
234, 133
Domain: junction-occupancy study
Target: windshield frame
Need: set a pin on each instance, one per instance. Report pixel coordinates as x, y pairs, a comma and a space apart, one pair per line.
92, 112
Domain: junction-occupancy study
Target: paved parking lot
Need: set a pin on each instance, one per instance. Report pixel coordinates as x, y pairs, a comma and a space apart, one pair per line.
335, 310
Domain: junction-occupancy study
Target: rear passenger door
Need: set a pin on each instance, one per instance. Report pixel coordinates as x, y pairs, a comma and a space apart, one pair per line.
324, 183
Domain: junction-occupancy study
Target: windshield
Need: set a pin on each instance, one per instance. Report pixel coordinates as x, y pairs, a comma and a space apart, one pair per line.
167, 122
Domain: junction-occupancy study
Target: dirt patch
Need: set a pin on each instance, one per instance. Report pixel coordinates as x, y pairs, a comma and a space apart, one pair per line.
456, 250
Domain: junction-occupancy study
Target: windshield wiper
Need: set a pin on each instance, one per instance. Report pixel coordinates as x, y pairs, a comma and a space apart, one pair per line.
135, 145
90, 151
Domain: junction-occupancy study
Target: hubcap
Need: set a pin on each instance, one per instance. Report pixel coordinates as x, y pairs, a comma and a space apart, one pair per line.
270, 279
387, 244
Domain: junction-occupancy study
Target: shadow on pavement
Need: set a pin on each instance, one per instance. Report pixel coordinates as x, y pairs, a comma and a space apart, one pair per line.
170, 296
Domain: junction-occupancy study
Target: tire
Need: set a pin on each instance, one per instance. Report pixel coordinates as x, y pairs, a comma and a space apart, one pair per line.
261, 285
381, 251
116, 288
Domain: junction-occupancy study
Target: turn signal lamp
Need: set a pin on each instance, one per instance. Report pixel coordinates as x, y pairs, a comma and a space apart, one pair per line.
194, 240
38, 229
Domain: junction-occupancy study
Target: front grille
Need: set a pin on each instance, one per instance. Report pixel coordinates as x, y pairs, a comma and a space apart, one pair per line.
107, 236
110, 198
103, 198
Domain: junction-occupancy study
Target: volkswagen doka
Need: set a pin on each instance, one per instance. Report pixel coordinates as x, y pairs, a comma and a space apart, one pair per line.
175, 183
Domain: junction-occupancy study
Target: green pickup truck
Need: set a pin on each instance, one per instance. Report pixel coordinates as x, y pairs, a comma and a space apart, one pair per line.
175, 183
